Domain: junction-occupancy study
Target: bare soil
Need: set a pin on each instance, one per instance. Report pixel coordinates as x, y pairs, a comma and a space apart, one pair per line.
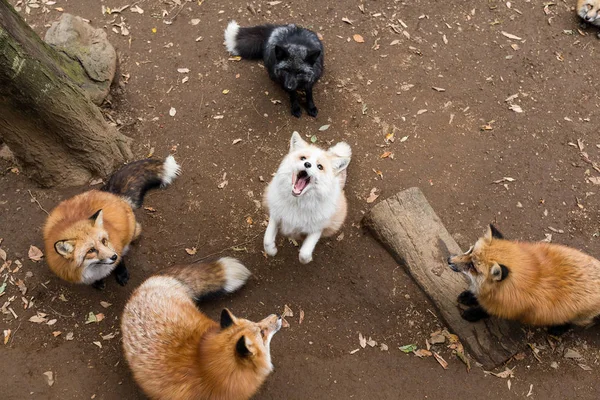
353, 286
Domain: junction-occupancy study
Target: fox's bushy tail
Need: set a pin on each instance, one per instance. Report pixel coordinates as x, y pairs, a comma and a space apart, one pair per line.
225, 274
136, 178
248, 42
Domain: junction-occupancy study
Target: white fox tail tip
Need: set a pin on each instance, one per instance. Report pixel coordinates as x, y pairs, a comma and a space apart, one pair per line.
170, 171
341, 149
236, 274
231, 33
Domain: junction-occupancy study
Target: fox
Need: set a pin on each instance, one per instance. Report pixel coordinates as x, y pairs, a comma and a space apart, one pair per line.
589, 12
535, 283
292, 55
177, 352
306, 196
86, 236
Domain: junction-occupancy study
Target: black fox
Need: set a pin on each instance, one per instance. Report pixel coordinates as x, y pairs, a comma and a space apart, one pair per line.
292, 55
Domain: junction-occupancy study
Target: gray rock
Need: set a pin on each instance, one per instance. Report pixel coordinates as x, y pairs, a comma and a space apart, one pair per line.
88, 46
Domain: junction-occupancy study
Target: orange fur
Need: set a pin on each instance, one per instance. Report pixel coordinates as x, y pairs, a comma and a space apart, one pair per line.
70, 221
177, 352
589, 11
547, 284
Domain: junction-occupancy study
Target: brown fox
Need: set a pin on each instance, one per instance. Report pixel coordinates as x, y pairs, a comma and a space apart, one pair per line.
177, 352
589, 11
86, 236
535, 283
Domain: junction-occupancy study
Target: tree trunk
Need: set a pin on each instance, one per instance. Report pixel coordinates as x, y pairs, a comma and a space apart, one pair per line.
57, 134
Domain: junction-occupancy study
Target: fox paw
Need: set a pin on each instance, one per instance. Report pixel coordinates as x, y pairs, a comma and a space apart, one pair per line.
467, 298
558, 330
122, 277
99, 284
312, 110
271, 249
296, 110
474, 314
305, 258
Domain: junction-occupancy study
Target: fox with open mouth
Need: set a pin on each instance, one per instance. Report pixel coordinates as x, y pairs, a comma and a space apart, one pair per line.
306, 196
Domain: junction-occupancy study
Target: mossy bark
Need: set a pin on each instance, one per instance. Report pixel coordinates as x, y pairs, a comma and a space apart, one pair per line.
55, 131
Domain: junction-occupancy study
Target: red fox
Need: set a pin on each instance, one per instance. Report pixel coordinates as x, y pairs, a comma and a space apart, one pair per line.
177, 352
535, 283
86, 236
589, 11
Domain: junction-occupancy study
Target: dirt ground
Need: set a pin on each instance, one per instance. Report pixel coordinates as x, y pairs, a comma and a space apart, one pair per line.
453, 142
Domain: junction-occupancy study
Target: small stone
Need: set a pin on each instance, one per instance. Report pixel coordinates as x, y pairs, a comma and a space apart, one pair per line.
554, 365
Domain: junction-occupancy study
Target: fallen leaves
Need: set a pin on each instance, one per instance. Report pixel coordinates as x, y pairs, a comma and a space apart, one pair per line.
324, 128
35, 254
387, 154
191, 251
372, 196
510, 36
507, 373
7, 333
408, 348
49, 375
358, 38
94, 318
440, 360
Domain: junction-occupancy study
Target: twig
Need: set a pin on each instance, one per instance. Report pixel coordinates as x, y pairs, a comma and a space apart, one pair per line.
178, 11
12, 337
228, 248
253, 106
62, 315
38, 203
281, 127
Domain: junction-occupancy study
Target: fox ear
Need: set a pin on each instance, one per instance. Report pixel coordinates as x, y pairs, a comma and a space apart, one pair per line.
227, 318
499, 272
492, 233
97, 218
340, 163
297, 142
242, 347
64, 247
281, 52
312, 56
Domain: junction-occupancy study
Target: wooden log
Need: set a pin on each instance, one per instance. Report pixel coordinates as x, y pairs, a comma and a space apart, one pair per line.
56, 133
409, 228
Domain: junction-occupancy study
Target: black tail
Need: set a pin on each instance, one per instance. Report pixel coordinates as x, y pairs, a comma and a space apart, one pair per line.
136, 178
249, 42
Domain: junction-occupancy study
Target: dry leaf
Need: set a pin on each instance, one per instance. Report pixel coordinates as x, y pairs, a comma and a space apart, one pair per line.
516, 108
510, 36
236, 141
439, 359
99, 317
507, 373
387, 154
69, 336
56, 333
346, 20
372, 196
371, 342
2, 255
438, 89
362, 340
39, 318
422, 353
35, 254
191, 251
98, 344
301, 318
49, 375
7, 333
358, 39
195, 21
105, 304
287, 312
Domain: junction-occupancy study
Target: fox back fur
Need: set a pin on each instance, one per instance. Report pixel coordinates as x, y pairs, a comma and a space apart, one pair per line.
87, 235
177, 352
306, 196
292, 55
534, 283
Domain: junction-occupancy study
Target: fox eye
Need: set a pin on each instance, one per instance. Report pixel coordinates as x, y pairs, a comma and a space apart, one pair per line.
302, 158
262, 332
104, 242
92, 250
320, 166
